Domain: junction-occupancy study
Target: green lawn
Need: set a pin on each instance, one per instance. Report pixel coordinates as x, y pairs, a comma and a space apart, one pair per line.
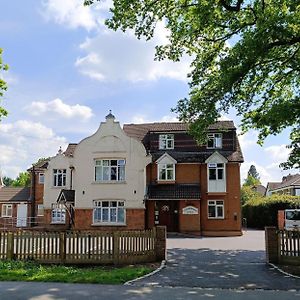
30, 271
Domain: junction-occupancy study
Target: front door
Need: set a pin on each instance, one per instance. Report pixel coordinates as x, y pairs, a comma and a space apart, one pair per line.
168, 214
22, 215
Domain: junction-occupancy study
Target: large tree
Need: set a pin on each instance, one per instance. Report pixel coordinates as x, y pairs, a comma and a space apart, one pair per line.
245, 55
3, 86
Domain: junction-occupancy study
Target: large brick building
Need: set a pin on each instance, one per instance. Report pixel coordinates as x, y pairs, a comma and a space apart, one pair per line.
141, 176
192, 188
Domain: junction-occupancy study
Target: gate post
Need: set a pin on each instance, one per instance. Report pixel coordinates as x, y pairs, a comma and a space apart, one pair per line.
116, 248
161, 243
62, 246
272, 245
10, 245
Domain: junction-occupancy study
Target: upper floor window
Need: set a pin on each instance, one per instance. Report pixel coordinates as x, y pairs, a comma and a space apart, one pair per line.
214, 140
166, 141
59, 177
6, 210
110, 170
166, 172
41, 178
109, 212
216, 171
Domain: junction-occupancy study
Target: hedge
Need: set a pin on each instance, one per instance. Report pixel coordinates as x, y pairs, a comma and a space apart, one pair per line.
262, 211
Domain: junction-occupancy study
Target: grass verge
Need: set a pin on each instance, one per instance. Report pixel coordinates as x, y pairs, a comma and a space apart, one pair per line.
31, 271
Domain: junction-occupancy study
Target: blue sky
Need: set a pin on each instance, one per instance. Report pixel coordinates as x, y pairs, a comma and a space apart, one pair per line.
67, 70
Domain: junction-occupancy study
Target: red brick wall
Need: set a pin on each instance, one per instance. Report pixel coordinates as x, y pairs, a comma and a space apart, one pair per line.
280, 219
189, 223
135, 220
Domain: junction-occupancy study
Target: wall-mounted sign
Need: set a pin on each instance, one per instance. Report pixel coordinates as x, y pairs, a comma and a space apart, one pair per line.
190, 210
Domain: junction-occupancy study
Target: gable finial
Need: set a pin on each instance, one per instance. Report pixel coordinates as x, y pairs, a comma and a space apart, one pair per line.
59, 150
110, 115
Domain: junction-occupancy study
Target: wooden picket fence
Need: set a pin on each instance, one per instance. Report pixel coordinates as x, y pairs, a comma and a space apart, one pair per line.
76, 247
289, 246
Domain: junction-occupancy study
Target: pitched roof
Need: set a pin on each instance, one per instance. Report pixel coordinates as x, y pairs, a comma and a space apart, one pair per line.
273, 185
260, 189
290, 180
173, 191
66, 195
70, 149
40, 166
11, 194
139, 131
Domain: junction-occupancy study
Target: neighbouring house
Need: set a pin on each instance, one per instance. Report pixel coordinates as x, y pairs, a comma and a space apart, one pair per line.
99, 183
191, 188
15, 206
290, 185
260, 189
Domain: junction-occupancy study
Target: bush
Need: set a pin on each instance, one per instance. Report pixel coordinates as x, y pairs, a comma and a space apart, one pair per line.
262, 211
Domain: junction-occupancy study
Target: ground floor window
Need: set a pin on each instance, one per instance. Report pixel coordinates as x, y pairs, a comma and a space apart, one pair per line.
215, 209
109, 212
58, 214
6, 210
40, 210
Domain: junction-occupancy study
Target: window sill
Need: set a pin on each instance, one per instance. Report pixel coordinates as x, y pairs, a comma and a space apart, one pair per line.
109, 182
217, 193
58, 223
108, 224
58, 187
6, 216
166, 181
216, 218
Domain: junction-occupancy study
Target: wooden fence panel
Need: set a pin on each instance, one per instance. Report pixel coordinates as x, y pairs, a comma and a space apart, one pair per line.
77, 247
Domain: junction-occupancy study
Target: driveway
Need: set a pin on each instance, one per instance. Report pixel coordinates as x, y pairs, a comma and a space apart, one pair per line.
223, 263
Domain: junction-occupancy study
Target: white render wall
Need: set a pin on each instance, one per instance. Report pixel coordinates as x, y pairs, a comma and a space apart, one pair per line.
109, 142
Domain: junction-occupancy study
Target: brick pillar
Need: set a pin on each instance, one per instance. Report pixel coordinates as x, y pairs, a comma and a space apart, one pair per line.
280, 219
272, 245
161, 243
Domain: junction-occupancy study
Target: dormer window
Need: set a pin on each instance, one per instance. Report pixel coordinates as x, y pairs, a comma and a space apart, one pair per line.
166, 141
214, 140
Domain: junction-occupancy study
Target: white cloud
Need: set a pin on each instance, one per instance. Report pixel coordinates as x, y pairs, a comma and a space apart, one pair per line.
114, 56
248, 140
70, 13
279, 153
23, 143
140, 119
58, 107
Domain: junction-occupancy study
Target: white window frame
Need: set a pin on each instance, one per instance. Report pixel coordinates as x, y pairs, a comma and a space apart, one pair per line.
7, 210
58, 214
216, 204
166, 168
217, 167
111, 170
166, 141
217, 140
41, 178
59, 173
40, 210
109, 212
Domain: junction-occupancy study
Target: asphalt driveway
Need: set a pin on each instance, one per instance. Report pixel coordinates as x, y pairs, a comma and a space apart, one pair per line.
224, 263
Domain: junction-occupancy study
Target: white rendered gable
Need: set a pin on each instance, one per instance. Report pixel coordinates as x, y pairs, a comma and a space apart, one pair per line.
166, 159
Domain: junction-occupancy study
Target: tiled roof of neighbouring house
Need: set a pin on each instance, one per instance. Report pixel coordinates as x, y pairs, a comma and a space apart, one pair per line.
260, 189
139, 131
173, 191
11, 194
70, 149
290, 180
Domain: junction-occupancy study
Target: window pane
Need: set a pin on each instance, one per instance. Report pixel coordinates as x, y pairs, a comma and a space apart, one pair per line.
106, 173
218, 141
121, 173
98, 173
162, 174
212, 174
220, 173
170, 174
220, 202
113, 162
121, 215
113, 215
113, 173
105, 162
211, 212
121, 162
210, 143
105, 213
219, 211
105, 203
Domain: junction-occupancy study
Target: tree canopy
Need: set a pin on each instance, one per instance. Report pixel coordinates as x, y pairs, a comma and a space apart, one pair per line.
3, 85
23, 179
253, 172
245, 56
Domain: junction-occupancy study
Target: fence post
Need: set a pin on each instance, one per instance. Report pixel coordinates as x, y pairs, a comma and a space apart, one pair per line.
272, 245
160, 243
10, 246
116, 247
62, 246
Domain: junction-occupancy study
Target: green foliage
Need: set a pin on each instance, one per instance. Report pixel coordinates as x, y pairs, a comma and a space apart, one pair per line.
246, 55
247, 193
253, 172
251, 181
7, 181
262, 211
3, 85
23, 179
30, 271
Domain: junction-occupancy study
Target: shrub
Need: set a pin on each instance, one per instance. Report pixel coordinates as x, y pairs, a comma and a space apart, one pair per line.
262, 211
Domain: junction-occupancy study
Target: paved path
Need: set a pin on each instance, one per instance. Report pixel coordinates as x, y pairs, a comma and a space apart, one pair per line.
223, 263
60, 291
